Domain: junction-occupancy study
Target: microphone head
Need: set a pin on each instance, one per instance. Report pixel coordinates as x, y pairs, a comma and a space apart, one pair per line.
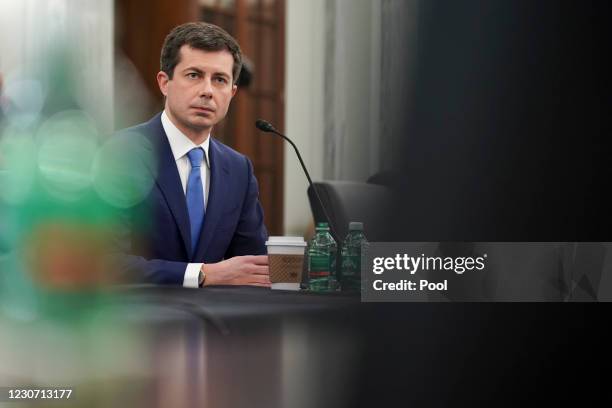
264, 126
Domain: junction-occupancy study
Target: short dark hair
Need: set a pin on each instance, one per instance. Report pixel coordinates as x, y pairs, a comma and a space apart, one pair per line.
201, 36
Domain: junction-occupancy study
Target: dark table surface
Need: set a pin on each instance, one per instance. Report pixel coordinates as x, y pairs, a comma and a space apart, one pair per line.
414, 352
228, 307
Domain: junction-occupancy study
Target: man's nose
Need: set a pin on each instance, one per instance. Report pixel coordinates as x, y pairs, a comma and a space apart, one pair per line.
206, 88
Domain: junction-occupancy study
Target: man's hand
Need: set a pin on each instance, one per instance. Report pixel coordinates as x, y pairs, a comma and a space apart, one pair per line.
239, 270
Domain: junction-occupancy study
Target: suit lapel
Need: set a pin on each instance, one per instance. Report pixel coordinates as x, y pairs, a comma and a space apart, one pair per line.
169, 182
216, 193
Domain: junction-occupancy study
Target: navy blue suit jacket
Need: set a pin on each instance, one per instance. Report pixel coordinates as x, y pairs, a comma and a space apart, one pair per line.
154, 240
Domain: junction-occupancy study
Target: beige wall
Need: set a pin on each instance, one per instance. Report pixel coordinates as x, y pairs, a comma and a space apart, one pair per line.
332, 96
304, 106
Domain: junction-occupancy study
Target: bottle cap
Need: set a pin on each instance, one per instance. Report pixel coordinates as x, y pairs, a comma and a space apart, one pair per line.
322, 226
355, 226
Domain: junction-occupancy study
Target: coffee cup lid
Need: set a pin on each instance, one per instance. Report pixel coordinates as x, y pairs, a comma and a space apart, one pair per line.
286, 241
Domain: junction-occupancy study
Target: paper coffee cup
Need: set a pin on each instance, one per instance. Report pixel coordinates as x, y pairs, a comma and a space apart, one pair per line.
286, 260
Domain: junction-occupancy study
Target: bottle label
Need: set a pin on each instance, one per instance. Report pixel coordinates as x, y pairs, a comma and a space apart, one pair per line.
351, 264
319, 266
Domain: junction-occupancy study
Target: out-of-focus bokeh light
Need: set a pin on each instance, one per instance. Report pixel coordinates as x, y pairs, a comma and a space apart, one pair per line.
17, 164
124, 170
23, 100
67, 144
61, 188
56, 228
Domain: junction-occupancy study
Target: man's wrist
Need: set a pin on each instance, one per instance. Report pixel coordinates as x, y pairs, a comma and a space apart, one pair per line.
202, 277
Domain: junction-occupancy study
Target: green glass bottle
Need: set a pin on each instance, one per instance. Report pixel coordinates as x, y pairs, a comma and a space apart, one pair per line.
350, 271
322, 252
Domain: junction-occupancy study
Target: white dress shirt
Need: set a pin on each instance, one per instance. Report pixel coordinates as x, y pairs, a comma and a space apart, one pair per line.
180, 146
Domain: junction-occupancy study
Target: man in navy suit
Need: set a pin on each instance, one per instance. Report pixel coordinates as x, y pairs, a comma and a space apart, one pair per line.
205, 223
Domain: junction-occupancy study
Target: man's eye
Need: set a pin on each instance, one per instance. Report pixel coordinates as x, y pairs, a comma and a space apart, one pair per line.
221, 80
192, 75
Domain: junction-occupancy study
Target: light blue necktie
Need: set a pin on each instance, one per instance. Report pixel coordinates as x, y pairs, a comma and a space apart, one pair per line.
195, 196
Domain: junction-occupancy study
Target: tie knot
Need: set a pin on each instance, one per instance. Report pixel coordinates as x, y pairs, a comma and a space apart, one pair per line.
196, 156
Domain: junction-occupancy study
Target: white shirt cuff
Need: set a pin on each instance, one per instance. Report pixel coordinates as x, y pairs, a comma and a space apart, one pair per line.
192, 275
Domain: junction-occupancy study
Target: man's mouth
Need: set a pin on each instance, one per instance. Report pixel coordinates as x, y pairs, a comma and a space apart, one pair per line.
205, 109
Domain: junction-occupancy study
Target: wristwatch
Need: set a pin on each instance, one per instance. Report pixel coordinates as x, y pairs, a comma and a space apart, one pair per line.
201, 278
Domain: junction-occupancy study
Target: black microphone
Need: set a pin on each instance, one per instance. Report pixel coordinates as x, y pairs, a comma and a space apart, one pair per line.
265, 126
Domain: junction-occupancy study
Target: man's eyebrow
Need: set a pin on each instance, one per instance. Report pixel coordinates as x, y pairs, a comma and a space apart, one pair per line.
199, 71
221, 73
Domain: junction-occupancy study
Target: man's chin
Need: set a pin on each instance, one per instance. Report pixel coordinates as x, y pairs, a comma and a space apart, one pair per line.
200, 123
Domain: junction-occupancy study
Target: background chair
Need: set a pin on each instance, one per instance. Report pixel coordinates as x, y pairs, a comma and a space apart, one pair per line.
347, 201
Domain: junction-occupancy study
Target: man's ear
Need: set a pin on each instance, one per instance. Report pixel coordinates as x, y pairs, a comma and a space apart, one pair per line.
162, 81
234, 89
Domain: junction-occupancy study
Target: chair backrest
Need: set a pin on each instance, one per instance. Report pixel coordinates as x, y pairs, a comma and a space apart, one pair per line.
347, 201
